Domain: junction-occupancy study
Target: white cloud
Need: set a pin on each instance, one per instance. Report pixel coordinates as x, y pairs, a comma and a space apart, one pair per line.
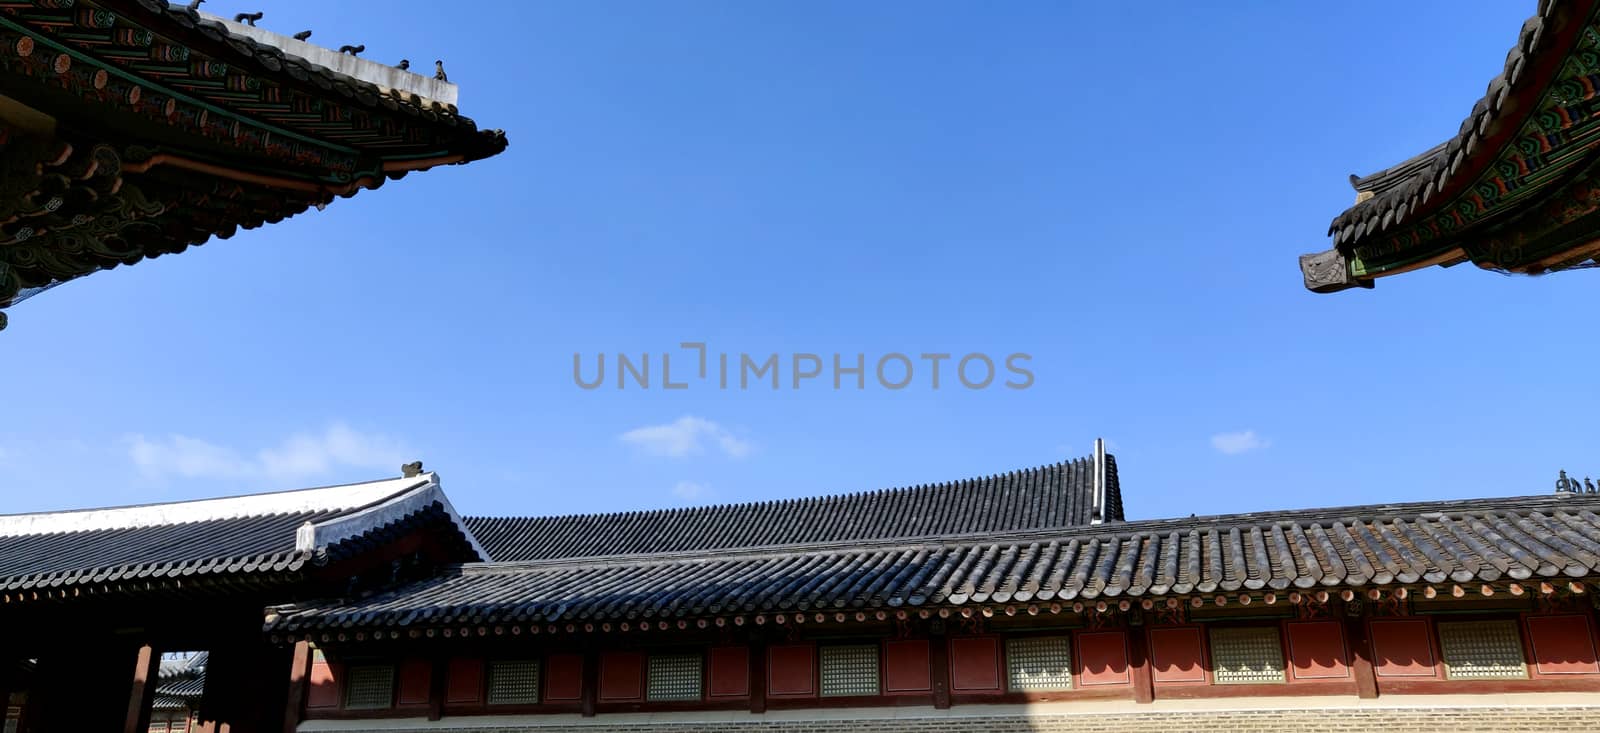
690, 490
298, 457
688, 435
1234, 443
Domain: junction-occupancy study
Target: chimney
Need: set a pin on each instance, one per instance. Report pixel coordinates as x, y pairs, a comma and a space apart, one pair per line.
1097, 510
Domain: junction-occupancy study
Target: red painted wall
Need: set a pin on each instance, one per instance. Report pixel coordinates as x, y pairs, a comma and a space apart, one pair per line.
325, 682
1177, 656
415, 675
1403, 648
621, 676
1102, 658
1317, 651
464, 681
791, 671
1562, 645
730, 671
563, 679
906, 668
975, 664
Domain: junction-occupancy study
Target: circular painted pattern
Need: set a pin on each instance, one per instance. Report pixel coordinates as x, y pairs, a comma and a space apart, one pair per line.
171, 107
100, 79
24, 46
62, 63
134, 93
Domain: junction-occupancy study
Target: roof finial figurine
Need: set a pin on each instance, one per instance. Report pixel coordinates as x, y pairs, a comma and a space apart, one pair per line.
352, 50
194, 5
404, 64
410, 470
302, 35
1565, 485
248, 18
438, 71
1588, 486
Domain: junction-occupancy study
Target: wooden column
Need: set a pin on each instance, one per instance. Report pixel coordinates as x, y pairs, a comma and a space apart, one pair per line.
438, 686
146, 676
758, 676
1355, 631
590, 696
299, 681
939, 667
1144, 690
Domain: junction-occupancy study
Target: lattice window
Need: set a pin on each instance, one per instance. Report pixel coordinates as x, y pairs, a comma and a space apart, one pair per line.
849, 669
673, 677
1476, 650
371, 686
1039, 663
1249, 655
513, 682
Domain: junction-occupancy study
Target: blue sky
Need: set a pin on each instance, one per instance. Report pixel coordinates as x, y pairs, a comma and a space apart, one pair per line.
1120, 193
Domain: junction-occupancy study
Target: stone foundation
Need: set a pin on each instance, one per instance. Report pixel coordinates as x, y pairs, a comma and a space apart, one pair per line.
1502, 713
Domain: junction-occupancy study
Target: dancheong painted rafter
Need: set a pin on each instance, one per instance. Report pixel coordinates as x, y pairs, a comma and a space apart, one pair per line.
1513, 191
133, 128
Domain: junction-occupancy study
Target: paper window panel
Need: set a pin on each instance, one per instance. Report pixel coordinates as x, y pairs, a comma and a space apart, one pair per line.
370, 687
514, 682
1477, 650
1039, 663
673, 677
1244, 656
849, 670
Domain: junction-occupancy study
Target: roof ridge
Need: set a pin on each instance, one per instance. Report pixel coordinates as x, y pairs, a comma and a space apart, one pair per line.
338, 498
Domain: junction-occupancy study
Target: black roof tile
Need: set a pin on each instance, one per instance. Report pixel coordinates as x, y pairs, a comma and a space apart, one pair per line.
1406, 191
1376, 545
45, 551
1047, 497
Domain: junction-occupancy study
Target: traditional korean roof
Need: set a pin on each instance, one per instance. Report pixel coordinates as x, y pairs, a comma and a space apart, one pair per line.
1054, 496
257, 536
134, 128
1542, 537
180, 682
1510, 191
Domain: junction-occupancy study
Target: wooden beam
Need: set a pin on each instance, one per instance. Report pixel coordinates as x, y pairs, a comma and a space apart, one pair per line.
299, 681
146, 676
758, 676
1144, 690
1355, 632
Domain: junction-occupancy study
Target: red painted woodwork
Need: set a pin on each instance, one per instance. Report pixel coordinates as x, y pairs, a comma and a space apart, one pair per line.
465, 682
1102, 658
1316, 651
621, 676
730, 671
975, 664
325, 679
906, 667
415, 677
563, 678
1177, 656
791, 671
1402, 648
1562, 645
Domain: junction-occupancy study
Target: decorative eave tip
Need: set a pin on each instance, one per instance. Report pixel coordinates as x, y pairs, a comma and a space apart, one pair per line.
1329, 272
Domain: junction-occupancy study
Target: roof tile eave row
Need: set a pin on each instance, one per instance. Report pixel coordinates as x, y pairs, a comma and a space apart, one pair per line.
1535, 541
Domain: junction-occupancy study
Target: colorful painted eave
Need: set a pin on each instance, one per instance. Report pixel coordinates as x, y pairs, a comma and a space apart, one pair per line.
1511, 192
133, 128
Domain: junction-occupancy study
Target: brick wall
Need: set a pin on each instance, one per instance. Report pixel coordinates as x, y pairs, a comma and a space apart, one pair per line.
1340, 720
